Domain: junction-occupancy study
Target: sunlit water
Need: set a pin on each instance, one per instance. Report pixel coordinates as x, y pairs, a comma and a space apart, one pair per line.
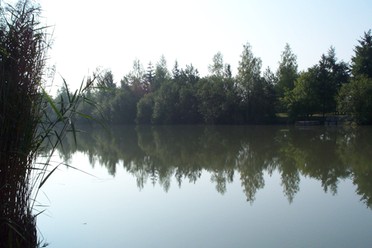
140, 196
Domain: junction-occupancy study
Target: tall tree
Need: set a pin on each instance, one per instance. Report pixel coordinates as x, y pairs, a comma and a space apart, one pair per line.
189, 75
302, 100
136, 79
217, 66
150, 75
108, 86
361, 62
166, 100
330, 76
161, 74
355, 98
176, 71
217, 101
106, 79
269, 81
316, 89
249, 72
252, 87
287, 72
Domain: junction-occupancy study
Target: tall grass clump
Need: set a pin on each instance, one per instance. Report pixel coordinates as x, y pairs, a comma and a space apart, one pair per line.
29, 119
22, 59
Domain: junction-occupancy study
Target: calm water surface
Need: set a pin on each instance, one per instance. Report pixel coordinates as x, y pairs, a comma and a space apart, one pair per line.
194, 186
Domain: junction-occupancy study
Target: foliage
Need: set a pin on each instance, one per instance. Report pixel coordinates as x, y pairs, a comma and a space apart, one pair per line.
161, 74
316, 89
216, 99
361, 62
175, 103
331, 76
166, 104
302, 100
253, 96
355, 99
286, 74
145, 109
255, 91
217, 67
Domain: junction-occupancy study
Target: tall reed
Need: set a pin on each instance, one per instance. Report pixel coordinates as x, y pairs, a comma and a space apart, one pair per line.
25, 123
21, 65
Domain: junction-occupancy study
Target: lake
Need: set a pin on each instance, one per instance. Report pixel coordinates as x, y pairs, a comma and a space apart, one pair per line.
211, 186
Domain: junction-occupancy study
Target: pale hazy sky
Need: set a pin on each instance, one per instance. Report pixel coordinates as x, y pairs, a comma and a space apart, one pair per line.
110, 34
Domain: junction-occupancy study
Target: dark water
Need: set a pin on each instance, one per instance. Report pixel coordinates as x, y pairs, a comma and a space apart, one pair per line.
196, 186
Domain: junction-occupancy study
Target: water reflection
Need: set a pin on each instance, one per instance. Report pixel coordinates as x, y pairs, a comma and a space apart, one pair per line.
157, 154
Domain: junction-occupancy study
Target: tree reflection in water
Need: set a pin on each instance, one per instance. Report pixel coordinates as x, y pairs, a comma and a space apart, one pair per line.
159, 153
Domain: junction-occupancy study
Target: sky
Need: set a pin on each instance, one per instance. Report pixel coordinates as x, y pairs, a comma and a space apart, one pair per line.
111, 34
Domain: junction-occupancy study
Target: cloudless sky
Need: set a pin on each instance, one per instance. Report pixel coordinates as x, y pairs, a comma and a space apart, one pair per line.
111, 34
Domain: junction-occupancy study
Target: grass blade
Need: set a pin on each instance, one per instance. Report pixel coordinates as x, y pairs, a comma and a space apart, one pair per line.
47, 176
52, 104
67, 90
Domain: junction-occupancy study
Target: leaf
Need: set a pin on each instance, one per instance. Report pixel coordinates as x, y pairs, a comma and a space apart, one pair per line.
72, 167
46, 178
51, 102
85, 115
74, 132
67, 90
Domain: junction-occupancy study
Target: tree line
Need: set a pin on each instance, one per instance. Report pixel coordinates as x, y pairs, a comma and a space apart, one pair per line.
156, 95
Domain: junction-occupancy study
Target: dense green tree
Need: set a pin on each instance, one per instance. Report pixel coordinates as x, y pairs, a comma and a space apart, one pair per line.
146, 105
136, 79
161, 74
302, 100
216, 97
111, 104
286, 74
105, 95
106, 80
253, 89
166, 104
189, 75
215, 93
188, 105
176, 71
269, 81
361, 62
248, 78
217, 67
316, 89
150, 76
176, 101
355, 99
330, 76
123, 106
145, 109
